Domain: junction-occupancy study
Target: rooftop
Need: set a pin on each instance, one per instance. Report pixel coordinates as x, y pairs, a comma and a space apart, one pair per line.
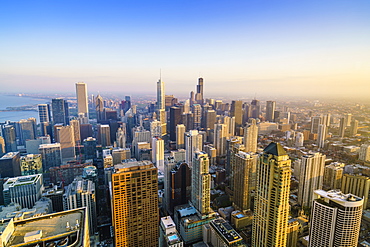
347, 200
275, 149
134, 165
226, 231
9, 155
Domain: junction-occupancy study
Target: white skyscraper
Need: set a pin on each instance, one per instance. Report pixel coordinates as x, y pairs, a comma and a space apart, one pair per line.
311, 176
82, 102
158, 152
180, 136
335, 219
321, 136
201, 183
193, 143
251, 136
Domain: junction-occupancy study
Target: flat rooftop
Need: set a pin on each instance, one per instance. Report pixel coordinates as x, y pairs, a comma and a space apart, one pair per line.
226, 231
131, 166
54, 228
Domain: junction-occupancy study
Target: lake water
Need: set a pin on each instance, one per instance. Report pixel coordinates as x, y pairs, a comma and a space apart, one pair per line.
14, 101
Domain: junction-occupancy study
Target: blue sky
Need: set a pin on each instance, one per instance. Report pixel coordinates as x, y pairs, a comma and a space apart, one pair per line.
239, 47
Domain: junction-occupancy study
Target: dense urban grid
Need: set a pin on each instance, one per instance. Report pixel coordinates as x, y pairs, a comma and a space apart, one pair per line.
98, 171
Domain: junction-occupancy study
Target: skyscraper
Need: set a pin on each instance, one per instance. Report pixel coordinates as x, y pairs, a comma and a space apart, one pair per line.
158, 152
9, 138
99, 107
180, 136
335, 219
175, 119
271, 209
82, 102
255, 108
321, 136
201, 183
60, 111
66, 139
135, 204
104, 135
342, 127
193, 143
311, 167
199, 95
160, 95
197, 111
251, 136
44, 113
236, 111
220, 138
270, 110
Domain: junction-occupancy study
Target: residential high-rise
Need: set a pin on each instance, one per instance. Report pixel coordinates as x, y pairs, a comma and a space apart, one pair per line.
357, 185
156, 128
271, 209
311, 167
76, 131
60, 111
342, 127
315, 122
193, 143
270, 110
321, 136
244, 180
364, 152
135, 204
81, 193
197, 111
82, 102
354, 127
251, 136
158, 152
180, 136
333, 174
201, 183
44, 113
335, 219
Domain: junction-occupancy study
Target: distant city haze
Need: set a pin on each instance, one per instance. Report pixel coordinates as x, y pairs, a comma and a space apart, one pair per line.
311, 48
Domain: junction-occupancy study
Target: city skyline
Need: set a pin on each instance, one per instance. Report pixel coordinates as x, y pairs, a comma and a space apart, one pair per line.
311, 48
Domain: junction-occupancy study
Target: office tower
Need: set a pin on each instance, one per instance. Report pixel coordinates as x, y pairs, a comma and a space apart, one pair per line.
2, 146
244, 180
197, 111
230, 125
255, 109
321, 136
220, 233
335, 219
99, 108
126, 104
51, 156
247, 112
233, 146
66, 139
169, 100
192, 98
60, 111
199, 95
27, 129
121, 136
25, 190
236, 111
160, 95
31, 164
175, 119
46, 129
188, 120
169, 237
9, 138
342, 127
120, 154
44, 113
357, 185
271, 209
163, 119
82, 102
158, 152
135, 204
201, 183
104, 135
210, 119
354, 127
179, 185
67, 228
193, 143
81, 193
251, 136
76, 131
219, 138
315, 122
270, 110
311, 167
364, 152
90, 148
180, 136
10, 165
333, 174
299, 139
156, 128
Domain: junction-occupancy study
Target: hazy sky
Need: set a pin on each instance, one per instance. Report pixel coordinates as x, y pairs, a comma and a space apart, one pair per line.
239, 47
